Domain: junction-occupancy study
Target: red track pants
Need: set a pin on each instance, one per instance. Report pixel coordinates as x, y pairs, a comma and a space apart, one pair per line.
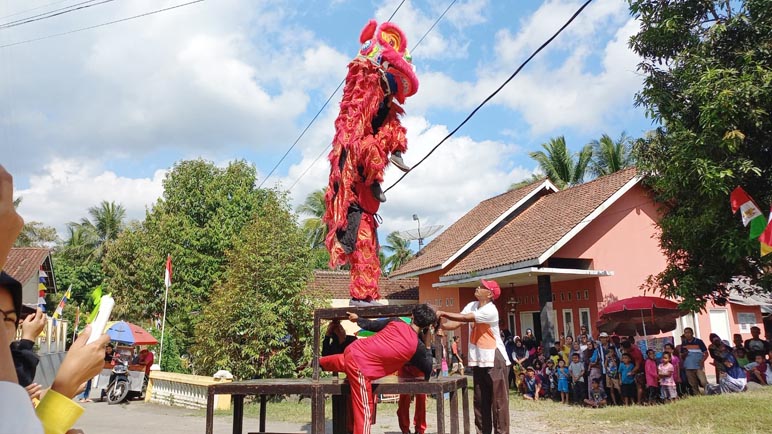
362, 403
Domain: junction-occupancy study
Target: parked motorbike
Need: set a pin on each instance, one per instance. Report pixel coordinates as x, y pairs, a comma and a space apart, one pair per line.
120, 383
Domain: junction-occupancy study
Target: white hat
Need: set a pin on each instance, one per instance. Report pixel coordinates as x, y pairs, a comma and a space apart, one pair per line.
603, 335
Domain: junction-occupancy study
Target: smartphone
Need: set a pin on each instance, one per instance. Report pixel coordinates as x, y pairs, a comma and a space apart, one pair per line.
98, 326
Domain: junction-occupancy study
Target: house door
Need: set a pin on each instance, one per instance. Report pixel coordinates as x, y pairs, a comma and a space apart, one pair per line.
719, 323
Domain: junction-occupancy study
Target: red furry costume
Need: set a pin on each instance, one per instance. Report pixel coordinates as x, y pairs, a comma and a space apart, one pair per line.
367, 130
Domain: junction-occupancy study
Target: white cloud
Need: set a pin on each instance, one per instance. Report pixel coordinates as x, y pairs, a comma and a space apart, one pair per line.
65, 190
458, 175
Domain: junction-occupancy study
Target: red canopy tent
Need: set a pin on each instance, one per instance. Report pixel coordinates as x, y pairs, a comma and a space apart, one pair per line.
643, 315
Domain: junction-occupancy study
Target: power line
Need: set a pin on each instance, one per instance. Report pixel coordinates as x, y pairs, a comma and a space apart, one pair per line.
314, 118
102, 25
413, 50
52, 14
34, 9
485, 101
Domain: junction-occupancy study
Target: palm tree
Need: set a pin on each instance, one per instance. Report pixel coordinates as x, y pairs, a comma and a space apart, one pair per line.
562, 168
313, 226
400, 252
534, 178
610, 156
82, 244
107, 219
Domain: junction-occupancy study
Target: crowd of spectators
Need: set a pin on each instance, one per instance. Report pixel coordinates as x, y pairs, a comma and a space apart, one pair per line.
612, 369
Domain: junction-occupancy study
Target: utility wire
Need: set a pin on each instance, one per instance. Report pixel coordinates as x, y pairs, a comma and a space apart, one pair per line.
34, 9
314, 119
102, 25
485, 101
52, 14
415, 47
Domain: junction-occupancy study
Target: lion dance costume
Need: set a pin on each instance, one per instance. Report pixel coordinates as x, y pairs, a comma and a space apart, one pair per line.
367, 132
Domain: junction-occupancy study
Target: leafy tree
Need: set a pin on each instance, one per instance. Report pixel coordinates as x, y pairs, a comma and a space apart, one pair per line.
708, 85
34, 234
609, 156
83, 276
202, 211
259, 319
399, 250
107, 219
560, 166
81, 244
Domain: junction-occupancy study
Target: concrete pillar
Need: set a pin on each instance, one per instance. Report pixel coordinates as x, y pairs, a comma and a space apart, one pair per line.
548, 317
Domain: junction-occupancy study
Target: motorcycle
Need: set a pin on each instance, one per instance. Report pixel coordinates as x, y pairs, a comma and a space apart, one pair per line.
119, 384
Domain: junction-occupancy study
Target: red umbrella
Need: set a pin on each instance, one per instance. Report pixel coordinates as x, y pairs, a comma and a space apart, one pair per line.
642, 315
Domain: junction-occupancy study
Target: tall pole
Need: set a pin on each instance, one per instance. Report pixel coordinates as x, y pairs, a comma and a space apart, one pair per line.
167, 284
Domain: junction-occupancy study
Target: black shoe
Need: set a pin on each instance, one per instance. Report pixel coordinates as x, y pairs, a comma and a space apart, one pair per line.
396, 159
377, 192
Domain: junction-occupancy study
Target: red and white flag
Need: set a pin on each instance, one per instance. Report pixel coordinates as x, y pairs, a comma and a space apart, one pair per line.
168, 272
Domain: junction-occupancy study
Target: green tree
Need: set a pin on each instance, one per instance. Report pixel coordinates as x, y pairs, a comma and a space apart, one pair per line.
34, 233
313, 226
399, 250
107, 218
81, 243
708, 85
259, 320
561, 167
609, 156
202, 211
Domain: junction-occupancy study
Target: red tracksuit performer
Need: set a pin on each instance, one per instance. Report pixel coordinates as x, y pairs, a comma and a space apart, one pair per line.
384, 353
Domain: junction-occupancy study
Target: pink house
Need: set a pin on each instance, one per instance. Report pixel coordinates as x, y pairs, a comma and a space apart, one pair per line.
584, 246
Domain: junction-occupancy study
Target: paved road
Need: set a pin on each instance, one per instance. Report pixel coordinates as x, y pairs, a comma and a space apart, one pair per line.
140, 417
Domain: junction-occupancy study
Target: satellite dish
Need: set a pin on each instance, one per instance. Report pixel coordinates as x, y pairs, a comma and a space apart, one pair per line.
419, 234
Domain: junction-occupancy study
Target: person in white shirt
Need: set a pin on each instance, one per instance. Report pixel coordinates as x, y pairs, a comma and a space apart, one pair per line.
486, 356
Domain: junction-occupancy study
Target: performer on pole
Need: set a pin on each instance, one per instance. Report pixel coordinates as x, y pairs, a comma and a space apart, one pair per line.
368, 134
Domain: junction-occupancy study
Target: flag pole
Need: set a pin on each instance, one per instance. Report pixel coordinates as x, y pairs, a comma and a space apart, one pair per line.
167, 284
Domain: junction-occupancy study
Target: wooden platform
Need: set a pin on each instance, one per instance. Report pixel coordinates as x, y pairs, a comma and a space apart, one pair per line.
318, 390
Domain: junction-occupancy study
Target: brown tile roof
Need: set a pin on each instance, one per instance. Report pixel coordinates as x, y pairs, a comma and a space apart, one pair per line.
542, 225
24, 262
336, 284
450, 241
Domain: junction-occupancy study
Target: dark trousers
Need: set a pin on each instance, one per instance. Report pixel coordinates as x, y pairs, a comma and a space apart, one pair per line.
491, 397
578, 389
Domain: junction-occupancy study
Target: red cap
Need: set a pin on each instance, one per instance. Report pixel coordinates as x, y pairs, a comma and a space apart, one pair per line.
493, 287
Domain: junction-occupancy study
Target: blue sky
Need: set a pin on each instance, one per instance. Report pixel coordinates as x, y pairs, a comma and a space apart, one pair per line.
103, 114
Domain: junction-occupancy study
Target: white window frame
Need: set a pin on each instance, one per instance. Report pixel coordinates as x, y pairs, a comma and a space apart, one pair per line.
589, 319
570, 329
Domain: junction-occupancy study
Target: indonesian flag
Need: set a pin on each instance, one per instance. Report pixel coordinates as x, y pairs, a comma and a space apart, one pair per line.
749, 211
766, 237
168, 271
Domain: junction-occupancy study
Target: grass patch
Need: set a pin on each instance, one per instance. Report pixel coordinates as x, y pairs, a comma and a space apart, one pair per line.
733, 413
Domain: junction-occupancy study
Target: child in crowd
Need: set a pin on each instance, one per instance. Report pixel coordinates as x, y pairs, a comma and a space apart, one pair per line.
758, 370
597, 396
676, 362
666, 372
576, 369
627, 377
563, 375
741, 356
612, 377
576, 349
652, 377
532, 384
549, 380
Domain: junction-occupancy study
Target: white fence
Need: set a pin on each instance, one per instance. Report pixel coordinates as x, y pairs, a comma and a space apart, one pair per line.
183, 390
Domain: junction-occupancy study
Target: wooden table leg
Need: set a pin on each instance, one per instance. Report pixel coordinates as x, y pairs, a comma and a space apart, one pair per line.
317, 411
440, 412
263, 400
465, 402
454, 412
238, 414
210, 412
